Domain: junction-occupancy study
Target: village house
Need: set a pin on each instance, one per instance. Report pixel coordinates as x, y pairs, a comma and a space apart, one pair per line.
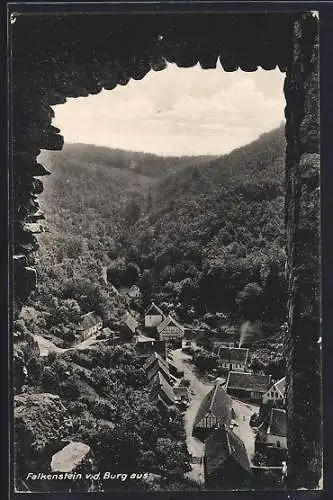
111, 336
160, 391
218, 344
272, 435
90, 324
159, 381
226, 463
276, 392
233, 358
155, 364
127, 327
146, 346
215, 411
153, 317
171, 331
247, 386
181, 393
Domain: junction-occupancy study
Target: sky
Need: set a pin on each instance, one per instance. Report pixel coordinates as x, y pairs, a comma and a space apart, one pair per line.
178, 111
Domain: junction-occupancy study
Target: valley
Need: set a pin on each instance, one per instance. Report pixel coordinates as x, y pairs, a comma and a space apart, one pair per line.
201, 237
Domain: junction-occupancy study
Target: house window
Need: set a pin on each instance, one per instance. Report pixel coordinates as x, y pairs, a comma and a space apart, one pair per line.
278, 444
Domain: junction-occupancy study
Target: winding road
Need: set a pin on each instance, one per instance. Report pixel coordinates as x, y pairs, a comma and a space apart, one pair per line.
198, 391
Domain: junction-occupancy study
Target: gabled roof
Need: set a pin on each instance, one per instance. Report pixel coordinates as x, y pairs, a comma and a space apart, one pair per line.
169, 320
280, 386
160, 386
248, 381
88, 320
277, 424
232, 354
130, 322
222, 444
156, 368
153, 359
218, 402
155, 309
67, 459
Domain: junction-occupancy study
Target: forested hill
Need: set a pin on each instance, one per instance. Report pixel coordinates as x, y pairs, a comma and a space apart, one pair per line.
206, 237
214, 229
147, 164
91, 200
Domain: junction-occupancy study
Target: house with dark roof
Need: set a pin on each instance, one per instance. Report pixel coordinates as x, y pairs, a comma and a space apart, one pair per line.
160, 390
233, 358
127, 327
155, 364
171, 331
226, 463
271, 438
90, 324
247, 386
272, 433
276, 392
222, 343
146, 346
214, 411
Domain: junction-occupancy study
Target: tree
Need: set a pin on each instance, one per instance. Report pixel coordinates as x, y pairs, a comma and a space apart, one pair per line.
132, 212
132, 274
249, 301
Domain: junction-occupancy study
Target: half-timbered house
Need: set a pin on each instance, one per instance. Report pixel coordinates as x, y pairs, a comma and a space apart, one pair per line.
215, 411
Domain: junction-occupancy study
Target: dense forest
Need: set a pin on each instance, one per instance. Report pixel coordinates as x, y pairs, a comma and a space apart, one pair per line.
213, 238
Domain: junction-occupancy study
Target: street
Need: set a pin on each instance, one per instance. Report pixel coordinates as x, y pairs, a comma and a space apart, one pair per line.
198, 390
243, 412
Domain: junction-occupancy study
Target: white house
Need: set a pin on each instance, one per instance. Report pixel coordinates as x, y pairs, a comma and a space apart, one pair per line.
233, 358
276, 392
153, 316
90, 323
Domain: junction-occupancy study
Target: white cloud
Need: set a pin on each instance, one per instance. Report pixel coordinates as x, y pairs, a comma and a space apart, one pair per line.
178, 111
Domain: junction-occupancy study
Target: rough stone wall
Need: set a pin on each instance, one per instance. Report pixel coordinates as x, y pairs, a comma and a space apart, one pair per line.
302, 346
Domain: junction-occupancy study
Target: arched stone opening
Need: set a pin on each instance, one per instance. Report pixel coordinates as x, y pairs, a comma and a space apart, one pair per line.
56, 57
